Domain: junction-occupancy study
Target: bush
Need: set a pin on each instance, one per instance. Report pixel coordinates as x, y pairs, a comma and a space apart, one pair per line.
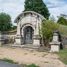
47, 29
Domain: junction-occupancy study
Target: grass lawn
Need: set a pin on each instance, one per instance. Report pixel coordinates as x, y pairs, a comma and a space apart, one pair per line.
31, 65
63, 56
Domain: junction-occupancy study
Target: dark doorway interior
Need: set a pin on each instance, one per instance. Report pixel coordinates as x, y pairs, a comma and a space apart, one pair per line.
28, 35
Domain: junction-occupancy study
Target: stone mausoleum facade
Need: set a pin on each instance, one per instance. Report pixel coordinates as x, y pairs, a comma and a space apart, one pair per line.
28, 26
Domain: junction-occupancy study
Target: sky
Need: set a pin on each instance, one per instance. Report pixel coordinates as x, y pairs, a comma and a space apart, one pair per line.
15, 7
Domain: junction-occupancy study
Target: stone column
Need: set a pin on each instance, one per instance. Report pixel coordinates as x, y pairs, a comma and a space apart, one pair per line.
36, 38
18, 35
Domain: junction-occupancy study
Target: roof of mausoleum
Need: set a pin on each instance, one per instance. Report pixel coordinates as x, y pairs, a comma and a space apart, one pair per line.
28, 12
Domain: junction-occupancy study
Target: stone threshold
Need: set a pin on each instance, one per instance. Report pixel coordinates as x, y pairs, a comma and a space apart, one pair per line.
26, 46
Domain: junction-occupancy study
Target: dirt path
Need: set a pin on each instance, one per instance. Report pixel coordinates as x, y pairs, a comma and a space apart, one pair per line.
23, 56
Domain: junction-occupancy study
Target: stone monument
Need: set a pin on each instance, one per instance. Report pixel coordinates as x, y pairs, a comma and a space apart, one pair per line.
55, 44
28, 24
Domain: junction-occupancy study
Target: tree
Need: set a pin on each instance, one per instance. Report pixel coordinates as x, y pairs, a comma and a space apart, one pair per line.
37, 6
47, 28
5, 22
62, 20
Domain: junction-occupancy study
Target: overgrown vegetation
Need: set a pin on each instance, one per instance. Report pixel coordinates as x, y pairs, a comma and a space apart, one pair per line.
47, 29
63, 55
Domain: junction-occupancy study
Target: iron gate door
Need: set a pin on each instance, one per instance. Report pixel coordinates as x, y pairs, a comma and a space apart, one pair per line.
28, 35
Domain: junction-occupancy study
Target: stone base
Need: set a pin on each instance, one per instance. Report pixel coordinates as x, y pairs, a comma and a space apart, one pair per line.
55, 48
36, 40
18, 40
36, 43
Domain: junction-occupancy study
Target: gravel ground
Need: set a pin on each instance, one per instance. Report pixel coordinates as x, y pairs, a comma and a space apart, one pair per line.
24, 56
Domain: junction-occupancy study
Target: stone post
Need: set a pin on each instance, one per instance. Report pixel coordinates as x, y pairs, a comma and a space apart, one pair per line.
55, 44
36, 37
18, 35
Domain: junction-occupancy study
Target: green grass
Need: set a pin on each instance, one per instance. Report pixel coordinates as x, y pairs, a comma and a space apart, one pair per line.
9, 61
63, 56
31, 65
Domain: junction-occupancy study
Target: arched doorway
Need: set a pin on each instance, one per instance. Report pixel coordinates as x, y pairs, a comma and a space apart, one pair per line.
28, 35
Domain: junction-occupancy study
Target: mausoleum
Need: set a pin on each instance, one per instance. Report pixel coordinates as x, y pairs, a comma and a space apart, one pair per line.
28, 26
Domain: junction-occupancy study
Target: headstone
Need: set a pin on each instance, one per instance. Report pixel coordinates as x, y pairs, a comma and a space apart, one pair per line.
55, 44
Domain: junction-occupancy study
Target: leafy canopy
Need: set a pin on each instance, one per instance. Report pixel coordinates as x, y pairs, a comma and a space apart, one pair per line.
5, 22
37, 6
62, 21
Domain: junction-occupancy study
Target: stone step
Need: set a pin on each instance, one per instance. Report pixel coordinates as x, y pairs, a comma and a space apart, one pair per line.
31, 47
26, 46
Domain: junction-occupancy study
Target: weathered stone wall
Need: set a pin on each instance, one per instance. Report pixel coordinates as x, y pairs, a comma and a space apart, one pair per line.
7, 39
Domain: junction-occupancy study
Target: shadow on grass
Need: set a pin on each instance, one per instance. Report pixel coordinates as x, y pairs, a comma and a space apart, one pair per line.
9, 61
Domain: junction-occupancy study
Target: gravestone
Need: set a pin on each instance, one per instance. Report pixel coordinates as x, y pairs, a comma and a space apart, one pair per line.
55, 44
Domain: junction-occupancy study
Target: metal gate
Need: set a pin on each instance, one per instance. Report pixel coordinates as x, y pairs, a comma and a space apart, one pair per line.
28, 35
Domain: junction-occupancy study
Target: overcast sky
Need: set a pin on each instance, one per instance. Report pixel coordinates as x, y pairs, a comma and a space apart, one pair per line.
15, 7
